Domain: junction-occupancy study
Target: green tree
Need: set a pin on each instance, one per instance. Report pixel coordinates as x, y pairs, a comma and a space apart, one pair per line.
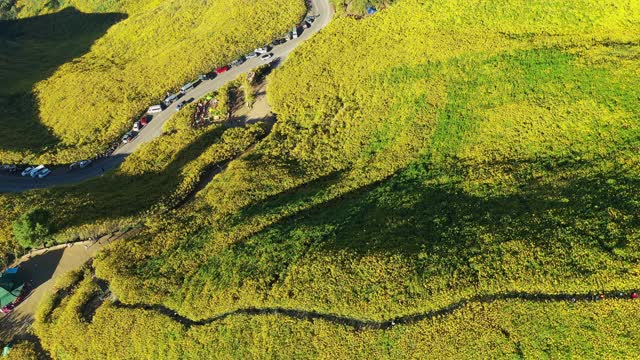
25, 350
32, 228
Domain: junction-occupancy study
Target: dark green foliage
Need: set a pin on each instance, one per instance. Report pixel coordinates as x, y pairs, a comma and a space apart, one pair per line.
7, 9
33, 228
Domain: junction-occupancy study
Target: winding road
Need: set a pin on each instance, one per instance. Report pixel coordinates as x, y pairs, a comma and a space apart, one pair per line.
60, 176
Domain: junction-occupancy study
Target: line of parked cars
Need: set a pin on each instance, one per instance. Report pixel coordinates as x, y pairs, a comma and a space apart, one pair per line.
39, 171
80, 164
137, 127
262, 52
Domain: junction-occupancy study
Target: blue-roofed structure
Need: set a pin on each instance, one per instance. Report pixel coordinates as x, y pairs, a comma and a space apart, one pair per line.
10, 287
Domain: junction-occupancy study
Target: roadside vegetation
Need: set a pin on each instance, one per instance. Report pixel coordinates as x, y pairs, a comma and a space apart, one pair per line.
433, 152
81, 71
504, 329
399, 178
151, 181
358, 7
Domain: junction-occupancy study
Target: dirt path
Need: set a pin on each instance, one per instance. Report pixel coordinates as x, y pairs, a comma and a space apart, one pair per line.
360, 324
42, 268
259, 111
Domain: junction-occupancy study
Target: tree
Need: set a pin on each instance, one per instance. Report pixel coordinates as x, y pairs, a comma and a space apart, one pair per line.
32, 228
25, 350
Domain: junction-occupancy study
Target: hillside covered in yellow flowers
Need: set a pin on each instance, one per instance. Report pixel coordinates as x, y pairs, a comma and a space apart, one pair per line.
76, 73
434, 152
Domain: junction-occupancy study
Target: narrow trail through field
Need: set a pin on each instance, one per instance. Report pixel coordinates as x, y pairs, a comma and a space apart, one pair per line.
362, 324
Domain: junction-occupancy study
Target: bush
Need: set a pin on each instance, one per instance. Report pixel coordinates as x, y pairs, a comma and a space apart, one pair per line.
24, 350
33, 228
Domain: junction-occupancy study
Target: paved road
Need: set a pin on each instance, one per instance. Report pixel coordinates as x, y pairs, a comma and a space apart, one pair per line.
60, 176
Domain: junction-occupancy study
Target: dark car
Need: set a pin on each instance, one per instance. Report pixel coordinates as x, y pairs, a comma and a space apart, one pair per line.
126, 138
279, 41
238, 61
181, 105
207, 76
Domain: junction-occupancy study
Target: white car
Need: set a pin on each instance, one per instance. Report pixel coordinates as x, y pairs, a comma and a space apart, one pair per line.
136, 126
44, 173
266, 57
262, 50
26, 171
36, 170
251, 55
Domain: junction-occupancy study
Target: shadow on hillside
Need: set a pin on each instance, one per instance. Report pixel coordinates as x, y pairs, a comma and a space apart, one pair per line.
446, 230
117, 195
40, 268
31, 50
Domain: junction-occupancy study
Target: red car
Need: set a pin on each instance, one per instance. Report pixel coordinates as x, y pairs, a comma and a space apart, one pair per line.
222, 69
145, 119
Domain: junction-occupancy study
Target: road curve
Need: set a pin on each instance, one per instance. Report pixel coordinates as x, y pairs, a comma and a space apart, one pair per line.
60, 176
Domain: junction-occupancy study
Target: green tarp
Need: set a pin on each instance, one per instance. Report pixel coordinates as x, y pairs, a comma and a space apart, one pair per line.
10, 287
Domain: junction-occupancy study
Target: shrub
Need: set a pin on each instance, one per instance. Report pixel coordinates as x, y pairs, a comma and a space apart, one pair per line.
33, 228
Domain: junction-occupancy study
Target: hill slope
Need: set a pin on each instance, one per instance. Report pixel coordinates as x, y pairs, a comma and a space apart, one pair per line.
433, 152
77, 80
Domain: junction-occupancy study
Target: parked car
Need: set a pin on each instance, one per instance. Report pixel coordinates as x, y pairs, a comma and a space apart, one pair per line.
262, 50
181, 105
279, 41
169, 100
146, 119
126, 138
136, 126
310, 19
294, 32
155, 109
266, 57
44, 173
36, 170
185, 88
222, 69
84, 163
238, 61
26, 171
10, 168
251, 55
